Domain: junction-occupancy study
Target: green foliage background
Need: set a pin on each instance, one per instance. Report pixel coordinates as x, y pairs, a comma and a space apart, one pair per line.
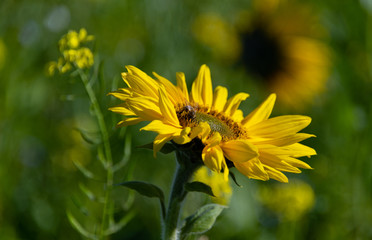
39, 116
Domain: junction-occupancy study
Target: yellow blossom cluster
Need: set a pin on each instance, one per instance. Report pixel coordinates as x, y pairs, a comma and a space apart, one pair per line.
73, 52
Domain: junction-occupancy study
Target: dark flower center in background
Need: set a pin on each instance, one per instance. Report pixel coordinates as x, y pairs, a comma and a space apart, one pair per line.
261, 53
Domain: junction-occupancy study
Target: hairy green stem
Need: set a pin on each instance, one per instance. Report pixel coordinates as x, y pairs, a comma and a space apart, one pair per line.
106, 146
184, 172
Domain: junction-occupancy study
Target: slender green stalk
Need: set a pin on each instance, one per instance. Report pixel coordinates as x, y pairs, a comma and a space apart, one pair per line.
106, 146
185, 169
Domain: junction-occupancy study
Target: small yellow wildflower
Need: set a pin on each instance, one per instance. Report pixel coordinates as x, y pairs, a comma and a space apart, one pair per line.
258, 146
220, 188
291, 201
73, 52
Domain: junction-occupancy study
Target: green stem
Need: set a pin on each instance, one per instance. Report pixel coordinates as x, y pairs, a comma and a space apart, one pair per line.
184, 172
106, 146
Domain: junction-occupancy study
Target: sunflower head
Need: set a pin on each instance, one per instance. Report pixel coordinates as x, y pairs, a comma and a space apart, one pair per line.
282, 45
208, 125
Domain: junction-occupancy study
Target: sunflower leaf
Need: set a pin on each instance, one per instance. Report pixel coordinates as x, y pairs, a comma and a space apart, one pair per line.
199, 187
148, 190
232, 175
202, 220
145, 189
167, 148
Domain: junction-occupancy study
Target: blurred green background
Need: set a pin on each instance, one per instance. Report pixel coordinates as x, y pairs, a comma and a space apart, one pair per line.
40, 115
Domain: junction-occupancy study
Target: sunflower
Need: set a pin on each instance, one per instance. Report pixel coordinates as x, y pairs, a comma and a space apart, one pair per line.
258, 146
281, 45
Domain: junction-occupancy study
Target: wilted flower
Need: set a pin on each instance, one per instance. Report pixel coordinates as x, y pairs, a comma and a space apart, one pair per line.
258, 146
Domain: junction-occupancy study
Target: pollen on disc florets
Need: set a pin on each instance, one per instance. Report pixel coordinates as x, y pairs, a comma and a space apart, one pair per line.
190, 115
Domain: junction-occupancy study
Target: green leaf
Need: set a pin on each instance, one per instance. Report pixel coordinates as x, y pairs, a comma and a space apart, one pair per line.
126, 154
145, 189
122, 223
83, 170
148, 190
78, 227
202, 220
91, 138
167, 148
199, 187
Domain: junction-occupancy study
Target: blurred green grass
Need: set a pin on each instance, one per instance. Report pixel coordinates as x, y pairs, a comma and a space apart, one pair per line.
38, 115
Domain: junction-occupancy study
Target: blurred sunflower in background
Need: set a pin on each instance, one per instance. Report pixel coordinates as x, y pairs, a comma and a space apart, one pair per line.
291, 201
221, 189
279, 42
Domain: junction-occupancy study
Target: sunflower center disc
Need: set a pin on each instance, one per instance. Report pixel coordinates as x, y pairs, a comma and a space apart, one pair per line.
216, 124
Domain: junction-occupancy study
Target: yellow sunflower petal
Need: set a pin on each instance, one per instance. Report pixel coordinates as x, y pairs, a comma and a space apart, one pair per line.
159, 142
141, 83
213, 158
261, 113
238, 116
129, 121
234, 102
219, 98
300, 150
202, 131
122, 109
275, 174
161, 128
293, 150
281, 126
173, 93
181, 84
283, 141
296, 163
277, 163
167, 108
201, 90
122, 95
132, 70
145, 107
239, 150
183, 138
214, 140
252, 169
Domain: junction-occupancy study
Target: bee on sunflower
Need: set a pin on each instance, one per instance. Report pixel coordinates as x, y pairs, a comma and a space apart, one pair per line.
205, 127
258, 146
